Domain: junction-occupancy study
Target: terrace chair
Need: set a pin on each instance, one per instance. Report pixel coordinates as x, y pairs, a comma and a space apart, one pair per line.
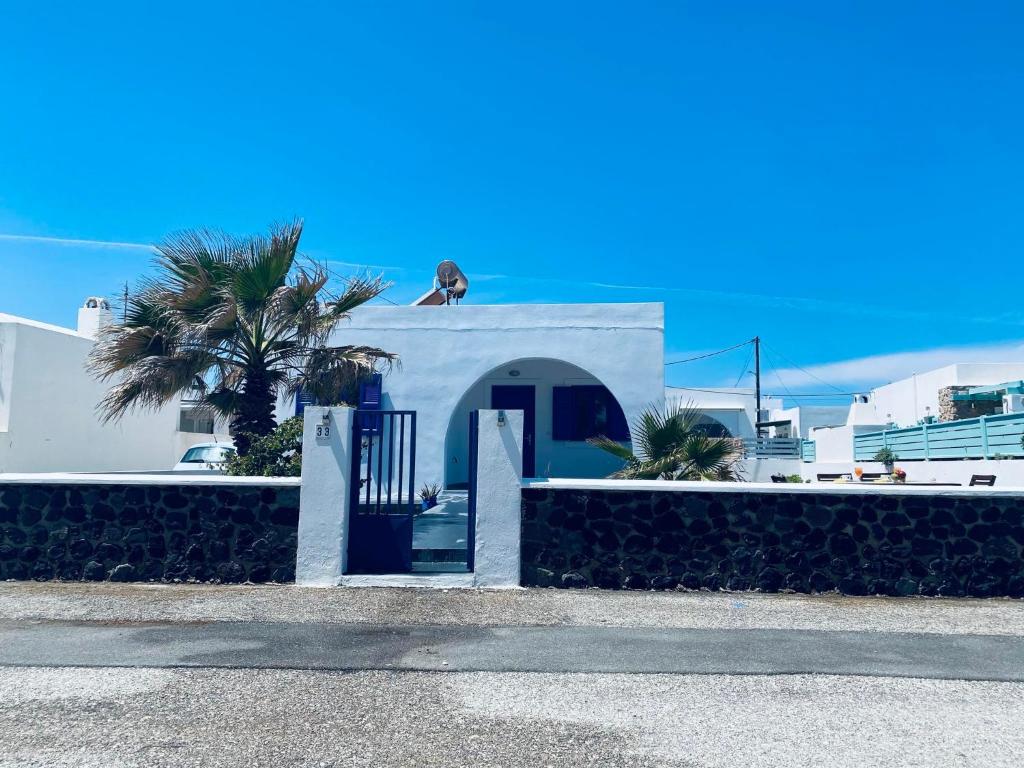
829, 477
779, 479
988, 480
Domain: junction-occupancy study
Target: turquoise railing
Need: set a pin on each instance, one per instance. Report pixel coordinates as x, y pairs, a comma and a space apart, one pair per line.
980, 438
808, 450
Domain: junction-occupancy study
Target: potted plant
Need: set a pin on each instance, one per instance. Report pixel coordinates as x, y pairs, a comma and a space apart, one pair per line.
887, 457
428, 496
899, 475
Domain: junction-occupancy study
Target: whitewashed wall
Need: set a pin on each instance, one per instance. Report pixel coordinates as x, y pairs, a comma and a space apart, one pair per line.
733, 407
48, 418
1009, 473
554, 458
445, 351
910, 400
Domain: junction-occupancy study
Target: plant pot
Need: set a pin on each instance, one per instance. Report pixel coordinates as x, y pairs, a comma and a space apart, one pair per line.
890, 466
426, 504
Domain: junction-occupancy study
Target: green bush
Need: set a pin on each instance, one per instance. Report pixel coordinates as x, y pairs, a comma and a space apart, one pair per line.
278, 454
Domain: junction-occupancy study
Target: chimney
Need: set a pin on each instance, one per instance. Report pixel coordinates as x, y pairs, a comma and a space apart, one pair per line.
93, 315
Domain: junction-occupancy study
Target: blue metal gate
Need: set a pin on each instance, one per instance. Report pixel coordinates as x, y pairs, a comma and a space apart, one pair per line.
474, 443
382, 498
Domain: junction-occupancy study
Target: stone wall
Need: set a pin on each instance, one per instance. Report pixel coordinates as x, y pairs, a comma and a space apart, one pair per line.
854, 543
132, 532
955, 410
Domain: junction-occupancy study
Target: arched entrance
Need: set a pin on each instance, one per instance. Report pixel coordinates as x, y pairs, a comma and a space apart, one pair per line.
712, 427
563, 405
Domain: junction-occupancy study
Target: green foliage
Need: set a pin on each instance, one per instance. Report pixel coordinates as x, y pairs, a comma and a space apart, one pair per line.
232, 322
278, 454
885, 456
671, 445
794, 479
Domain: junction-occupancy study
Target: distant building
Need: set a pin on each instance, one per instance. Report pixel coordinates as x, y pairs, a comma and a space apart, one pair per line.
48, 405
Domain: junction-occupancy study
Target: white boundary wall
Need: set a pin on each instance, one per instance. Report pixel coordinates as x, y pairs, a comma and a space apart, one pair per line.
323, 508
1009, 473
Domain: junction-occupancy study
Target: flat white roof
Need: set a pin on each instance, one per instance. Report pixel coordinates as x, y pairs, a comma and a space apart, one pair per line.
5, 318
647, 315
729, 487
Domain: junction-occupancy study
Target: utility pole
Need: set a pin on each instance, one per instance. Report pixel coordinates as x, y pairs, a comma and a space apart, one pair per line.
757, 385
124, 311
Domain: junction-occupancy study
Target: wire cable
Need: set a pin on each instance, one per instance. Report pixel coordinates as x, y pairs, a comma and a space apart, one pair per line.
744, 370
711, 354
775, 371
804, 370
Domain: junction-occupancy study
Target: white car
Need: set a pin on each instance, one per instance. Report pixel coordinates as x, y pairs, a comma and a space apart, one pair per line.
204, 456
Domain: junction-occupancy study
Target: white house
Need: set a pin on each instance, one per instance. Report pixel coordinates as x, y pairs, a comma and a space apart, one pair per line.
731, 412
574, 369
48, 400
949, 394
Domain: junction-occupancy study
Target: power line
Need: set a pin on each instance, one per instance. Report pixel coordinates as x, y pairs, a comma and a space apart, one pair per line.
745, 369
775, 371
728, 391
804, 370
711, 354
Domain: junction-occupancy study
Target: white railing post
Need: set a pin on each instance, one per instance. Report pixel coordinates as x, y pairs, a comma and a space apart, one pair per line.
924, 439
499, 489
323, 503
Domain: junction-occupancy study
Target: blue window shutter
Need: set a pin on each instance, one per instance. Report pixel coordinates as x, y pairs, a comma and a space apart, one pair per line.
302, 399
563, 413
618, 427
370, 397
370, 392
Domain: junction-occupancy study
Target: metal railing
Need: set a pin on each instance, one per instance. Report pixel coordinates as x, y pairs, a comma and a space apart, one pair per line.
771, 448
384, 462
808, 450
979, 438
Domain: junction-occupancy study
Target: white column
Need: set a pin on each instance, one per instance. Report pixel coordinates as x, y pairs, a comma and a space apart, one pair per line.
499, 499
323, 504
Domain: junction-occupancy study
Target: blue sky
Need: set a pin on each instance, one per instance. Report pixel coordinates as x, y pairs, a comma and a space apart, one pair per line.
843, 179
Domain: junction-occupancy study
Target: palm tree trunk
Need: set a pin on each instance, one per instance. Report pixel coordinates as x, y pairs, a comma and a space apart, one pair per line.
255, 414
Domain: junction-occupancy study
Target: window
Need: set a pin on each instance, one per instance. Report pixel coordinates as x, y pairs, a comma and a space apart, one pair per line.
207, 454
587, 411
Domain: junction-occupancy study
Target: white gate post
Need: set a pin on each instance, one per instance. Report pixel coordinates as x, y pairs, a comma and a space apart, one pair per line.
498, 499
323, 503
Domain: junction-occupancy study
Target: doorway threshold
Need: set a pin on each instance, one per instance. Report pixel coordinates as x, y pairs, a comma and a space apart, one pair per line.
431, 580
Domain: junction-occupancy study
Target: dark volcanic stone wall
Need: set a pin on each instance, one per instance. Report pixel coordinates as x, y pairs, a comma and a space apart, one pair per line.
222, 533
856, 544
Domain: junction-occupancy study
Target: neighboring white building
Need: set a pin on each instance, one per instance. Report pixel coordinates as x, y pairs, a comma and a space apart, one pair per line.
731, 412
725, 411
48, 405
555, 361
907, 402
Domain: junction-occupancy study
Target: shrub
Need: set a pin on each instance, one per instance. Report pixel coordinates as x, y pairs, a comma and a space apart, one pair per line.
278, 454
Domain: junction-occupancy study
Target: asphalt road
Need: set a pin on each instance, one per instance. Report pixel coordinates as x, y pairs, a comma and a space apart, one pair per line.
606, 650
144, 676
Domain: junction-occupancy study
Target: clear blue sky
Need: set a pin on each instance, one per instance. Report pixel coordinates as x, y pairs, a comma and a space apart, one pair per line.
844, 179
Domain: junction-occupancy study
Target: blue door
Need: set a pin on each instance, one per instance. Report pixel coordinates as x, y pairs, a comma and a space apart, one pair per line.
520, 397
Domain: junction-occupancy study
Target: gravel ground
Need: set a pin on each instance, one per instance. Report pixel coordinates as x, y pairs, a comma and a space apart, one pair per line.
121, 717
520, 607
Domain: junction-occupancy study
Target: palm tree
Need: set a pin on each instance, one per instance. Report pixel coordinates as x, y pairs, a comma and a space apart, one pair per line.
233, 321
672, 446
